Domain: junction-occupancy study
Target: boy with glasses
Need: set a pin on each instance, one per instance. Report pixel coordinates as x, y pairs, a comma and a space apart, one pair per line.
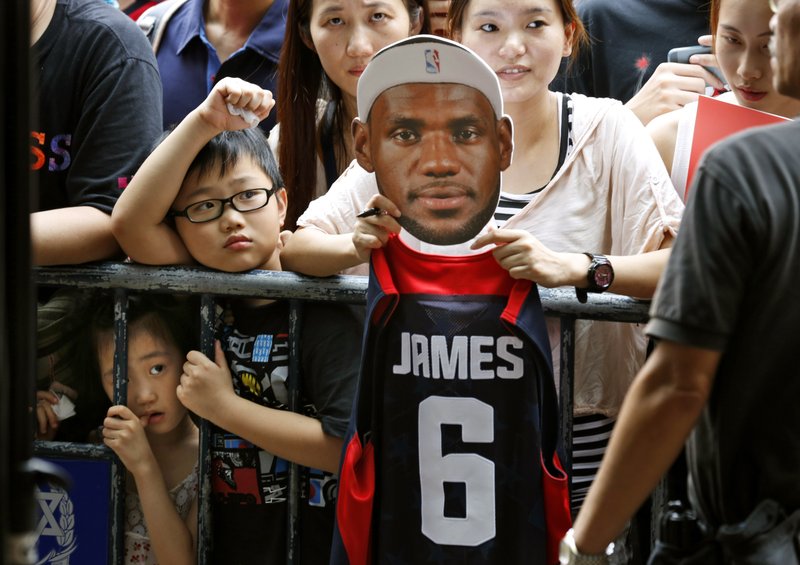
211, 192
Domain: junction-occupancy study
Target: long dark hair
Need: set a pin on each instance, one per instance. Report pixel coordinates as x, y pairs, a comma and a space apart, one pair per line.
90, 321
171, 318
301, 81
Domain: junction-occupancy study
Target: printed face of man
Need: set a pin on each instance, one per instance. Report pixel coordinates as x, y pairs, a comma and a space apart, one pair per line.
437, 151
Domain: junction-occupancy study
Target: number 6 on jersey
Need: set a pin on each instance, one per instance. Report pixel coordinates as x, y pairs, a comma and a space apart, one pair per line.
476, 419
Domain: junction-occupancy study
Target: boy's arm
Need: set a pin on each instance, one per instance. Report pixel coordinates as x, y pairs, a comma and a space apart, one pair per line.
206, 389
138, 220
288, 435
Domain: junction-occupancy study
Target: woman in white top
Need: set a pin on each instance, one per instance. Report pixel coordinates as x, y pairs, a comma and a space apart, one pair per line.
741, 43
585, 178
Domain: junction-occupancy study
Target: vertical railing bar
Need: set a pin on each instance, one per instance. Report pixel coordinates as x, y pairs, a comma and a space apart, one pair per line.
204, 519
118, 471
566, 390
293, 527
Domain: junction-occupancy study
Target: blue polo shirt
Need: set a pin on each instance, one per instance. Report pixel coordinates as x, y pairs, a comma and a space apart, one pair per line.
190, 67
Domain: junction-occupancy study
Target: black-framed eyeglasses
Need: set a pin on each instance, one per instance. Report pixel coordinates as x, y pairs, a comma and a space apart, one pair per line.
211, 209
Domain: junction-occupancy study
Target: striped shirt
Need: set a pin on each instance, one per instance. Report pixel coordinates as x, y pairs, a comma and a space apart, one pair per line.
509, 203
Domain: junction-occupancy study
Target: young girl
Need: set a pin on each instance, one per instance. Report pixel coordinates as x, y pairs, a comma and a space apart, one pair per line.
326, 47
741, 43
153, 434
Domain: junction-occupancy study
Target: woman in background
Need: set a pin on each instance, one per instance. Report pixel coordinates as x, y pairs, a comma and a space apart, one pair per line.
741, 34
327, 45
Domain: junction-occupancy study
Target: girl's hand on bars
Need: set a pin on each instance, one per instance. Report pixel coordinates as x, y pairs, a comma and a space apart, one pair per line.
124, 433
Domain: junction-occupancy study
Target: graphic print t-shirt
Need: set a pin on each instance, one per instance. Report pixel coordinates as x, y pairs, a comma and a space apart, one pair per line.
251, 486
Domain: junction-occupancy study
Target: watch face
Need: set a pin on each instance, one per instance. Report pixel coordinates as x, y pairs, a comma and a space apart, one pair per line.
603, 275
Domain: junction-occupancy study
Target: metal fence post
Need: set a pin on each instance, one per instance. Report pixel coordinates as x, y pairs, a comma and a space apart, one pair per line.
293, 548
205, 541
566, 390
118, 471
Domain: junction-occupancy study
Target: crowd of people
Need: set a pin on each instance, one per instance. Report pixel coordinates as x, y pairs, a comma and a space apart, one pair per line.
246, 135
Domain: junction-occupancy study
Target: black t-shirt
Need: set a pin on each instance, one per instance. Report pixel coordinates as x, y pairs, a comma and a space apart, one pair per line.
99, 96
629, 39
731, 286
250, 486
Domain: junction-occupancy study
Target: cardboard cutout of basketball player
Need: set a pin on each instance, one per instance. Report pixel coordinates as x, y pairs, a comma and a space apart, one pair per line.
451, 453
432, 129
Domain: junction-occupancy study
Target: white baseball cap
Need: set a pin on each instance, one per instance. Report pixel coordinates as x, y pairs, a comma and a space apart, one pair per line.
426, 59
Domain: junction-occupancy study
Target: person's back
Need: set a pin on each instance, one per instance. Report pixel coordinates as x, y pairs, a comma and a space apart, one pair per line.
99, 111
724, 367
723, 373
746, 446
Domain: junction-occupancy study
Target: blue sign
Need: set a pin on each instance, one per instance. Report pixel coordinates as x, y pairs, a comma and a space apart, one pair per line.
73, 526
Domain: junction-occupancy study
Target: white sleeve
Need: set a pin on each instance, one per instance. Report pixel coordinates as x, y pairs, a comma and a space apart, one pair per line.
643, 203
335, 211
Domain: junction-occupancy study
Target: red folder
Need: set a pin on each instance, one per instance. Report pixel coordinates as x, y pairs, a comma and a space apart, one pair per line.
715, 121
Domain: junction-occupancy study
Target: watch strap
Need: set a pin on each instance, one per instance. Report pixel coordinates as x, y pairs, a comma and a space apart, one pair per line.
569, 554
596, 261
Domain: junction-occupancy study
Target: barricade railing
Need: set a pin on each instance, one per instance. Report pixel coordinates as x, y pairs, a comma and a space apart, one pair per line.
125, 279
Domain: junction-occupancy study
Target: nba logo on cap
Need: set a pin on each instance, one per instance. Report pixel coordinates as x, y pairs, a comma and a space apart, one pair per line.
432, 61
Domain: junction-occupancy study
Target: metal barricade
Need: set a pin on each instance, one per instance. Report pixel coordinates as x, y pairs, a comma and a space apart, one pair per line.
127, 279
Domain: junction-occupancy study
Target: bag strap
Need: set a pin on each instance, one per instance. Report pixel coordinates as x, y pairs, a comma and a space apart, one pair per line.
154, 20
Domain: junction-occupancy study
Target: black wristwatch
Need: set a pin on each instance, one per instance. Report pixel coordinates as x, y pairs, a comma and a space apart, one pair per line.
599, 276
568, 553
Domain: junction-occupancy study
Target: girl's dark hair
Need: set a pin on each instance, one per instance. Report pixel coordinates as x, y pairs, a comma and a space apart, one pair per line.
580, 38
301, 81
173, 319
226, 148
